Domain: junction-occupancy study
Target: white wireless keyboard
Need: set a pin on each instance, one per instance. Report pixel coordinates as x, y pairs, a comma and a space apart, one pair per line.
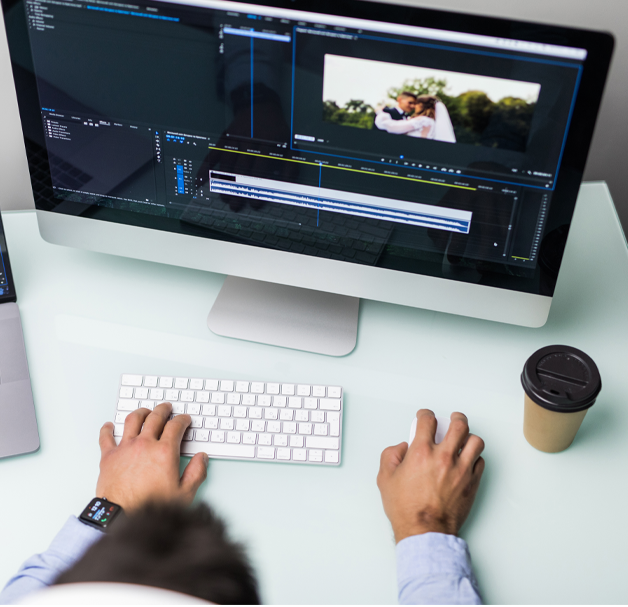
244, 420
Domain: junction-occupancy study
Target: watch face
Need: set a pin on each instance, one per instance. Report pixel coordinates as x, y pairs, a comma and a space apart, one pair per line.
100, 512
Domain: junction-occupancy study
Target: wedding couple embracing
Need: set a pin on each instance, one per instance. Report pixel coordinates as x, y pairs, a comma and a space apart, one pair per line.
423, 116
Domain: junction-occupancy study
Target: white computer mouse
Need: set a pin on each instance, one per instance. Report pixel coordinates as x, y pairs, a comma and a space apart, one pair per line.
441, 429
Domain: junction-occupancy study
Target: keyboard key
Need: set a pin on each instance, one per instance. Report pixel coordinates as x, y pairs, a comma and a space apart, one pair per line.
187, 396
209, 409
126, 392
131, 380
196, 384
333, 417
299, 455
211, 384
233, 437
125, 404
287, 389
202, 397
330, 404
280, 440
257, 387
315, 455
263, 400
289, 427
224, 411
150, 381
178, 408
334, 392
224, 450
226, 385
156, 394
242, 425
181, 383
266, 452
226, 423
320, 429
197, 422
249, 438
331, 457
319, 442
310, 403
148, 404
201, 435
248, 399
218, 436
302, 416
188, 434
273, 427
286, 415
296, 441
258, 425
280, 401
141, 393
318, 391
193, 409
242, 386
118, 429
271, 414
264, 439
295, 402
305, 428
239, 412
165, 382
121, 416
272, 388
255, 412
233, 398
317, 416
211, 423
283, 454
218, 398
303, 390
171, 395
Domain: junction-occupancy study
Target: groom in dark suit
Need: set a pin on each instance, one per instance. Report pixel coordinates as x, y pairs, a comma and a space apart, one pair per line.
395, 119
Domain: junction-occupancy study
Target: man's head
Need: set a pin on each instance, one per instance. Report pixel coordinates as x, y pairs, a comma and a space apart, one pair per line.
407, 101
169, 546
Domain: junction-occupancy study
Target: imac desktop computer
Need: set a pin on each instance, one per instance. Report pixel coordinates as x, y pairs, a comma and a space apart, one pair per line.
316, 152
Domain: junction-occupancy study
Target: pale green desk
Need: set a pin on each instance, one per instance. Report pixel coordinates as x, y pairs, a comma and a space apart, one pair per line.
545, 528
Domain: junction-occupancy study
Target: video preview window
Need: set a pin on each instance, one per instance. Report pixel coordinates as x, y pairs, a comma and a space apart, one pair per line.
427, 103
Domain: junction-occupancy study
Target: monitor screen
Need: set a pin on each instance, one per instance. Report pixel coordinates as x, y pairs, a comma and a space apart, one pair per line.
436, 149
7, 291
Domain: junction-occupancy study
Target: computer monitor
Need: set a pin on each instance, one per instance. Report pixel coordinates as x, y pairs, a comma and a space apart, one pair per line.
350, 149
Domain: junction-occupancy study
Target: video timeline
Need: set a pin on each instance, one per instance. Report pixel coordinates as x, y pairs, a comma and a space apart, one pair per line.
452, 220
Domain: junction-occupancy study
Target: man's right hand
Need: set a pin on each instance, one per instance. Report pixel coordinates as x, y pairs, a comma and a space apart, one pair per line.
427, 487
144, 467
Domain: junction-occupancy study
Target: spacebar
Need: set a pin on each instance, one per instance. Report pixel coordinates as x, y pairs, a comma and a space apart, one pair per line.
218, 449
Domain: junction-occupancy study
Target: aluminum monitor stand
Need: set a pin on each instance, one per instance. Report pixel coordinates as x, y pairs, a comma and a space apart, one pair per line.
290, 317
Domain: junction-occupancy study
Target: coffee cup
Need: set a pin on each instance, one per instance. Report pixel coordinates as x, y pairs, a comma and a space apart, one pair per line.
561, 384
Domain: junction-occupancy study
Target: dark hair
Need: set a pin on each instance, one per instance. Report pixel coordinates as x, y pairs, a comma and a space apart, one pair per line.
171, 547
407, 94
429, 105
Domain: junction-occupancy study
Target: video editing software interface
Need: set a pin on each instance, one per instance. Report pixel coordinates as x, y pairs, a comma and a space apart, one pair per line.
401, 147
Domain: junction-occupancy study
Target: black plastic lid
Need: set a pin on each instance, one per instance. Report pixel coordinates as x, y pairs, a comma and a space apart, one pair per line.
561, 378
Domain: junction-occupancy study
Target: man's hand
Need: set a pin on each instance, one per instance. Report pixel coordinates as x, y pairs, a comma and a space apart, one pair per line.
428, 487
145, 465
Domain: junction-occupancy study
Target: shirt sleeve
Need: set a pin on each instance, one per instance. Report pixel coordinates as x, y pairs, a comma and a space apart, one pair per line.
435, 569
41, 570
397, 127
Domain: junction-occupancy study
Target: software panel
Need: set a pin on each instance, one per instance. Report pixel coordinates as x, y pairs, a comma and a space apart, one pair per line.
424, 150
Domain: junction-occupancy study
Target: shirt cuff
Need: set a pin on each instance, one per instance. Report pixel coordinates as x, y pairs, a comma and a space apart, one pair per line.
74, 539
435, 568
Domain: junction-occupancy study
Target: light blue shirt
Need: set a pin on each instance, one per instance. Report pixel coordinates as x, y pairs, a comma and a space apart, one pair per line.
432, 568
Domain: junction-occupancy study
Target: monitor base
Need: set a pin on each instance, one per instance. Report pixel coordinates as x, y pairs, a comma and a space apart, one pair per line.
289, 317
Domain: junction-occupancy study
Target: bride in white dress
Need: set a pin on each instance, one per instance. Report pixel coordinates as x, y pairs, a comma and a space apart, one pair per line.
432, 120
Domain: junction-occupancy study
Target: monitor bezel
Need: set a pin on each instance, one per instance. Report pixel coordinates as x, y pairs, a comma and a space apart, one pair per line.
349, 279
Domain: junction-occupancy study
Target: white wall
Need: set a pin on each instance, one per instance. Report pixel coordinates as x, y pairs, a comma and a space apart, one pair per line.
609, 144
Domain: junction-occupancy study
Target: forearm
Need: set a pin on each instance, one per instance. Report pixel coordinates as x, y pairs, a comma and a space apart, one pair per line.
435, 569
41, 570
396, 127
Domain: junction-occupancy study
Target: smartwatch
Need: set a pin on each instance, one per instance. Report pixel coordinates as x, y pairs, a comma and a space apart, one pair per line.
100, 513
